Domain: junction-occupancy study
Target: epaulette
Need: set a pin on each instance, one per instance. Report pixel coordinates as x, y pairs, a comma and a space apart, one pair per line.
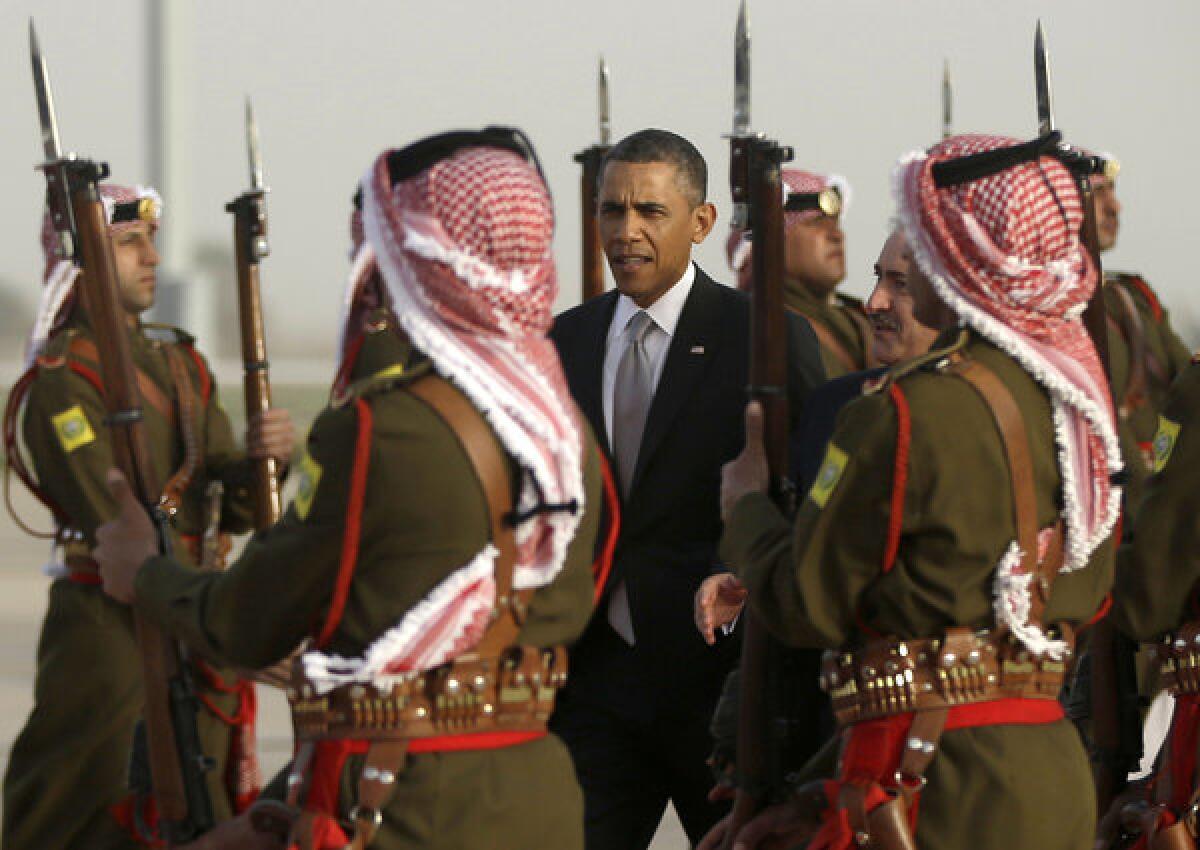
167, 333
1138, 285
936, 359
57, 349
396, 375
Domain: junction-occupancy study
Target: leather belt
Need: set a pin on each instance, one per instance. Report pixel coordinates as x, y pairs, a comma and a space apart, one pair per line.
512, 692
895, 677
1179, 659
82, 568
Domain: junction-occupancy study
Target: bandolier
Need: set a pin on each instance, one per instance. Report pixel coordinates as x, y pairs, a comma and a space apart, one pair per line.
68, 774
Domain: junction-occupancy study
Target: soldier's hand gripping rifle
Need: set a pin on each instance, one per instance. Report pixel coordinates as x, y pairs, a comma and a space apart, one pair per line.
171, 742
591, 158
249, 211
756, 184
1115, 713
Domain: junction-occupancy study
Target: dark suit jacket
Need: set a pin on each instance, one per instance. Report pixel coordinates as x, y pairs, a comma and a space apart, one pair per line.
671, 523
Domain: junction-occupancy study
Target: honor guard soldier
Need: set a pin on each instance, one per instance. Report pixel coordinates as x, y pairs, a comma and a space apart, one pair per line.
958, 532
67, 778
438, 551
814, 265
1155, 599
1145, 354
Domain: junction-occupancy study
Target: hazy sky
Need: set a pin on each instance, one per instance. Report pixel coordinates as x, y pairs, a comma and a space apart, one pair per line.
851, 84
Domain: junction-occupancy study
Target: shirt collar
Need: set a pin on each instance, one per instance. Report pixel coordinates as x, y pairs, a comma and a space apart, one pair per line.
665, 311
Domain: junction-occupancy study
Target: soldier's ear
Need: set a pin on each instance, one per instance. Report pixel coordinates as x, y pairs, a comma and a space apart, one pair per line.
704, 217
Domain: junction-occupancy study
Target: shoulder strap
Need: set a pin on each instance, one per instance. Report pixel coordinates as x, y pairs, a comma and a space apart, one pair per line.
16, 462
1011, 425
1130, 325
83, 347
483, 449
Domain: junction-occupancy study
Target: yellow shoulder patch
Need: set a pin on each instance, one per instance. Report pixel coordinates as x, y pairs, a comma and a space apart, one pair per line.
73, 429
306, 490
829, 475
1164, 442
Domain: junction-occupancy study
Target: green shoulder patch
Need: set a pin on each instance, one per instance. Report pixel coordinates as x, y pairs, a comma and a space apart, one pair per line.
829, 475
1164, 442
306, 489
73, 429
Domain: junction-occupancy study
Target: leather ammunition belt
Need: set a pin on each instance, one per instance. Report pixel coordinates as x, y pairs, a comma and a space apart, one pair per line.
512, 692
896, 677
1179, 659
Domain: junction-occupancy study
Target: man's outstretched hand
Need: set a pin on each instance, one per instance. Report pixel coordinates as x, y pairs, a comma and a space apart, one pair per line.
746, 473
124, 544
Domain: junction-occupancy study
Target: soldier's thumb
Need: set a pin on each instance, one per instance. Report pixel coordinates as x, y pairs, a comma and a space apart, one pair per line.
121, 491
754, 428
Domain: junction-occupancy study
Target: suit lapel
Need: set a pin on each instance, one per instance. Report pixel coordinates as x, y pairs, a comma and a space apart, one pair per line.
589, 366
692, 348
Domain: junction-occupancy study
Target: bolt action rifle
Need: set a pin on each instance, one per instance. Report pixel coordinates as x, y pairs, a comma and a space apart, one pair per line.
167, 738
591, 159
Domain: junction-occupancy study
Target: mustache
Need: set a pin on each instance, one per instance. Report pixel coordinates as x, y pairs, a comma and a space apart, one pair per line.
883, 322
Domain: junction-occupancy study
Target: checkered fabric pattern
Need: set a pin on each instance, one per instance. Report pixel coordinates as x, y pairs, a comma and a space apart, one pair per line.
1004, 252
464, 251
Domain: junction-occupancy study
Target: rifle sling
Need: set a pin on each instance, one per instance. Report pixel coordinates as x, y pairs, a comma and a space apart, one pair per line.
831, 343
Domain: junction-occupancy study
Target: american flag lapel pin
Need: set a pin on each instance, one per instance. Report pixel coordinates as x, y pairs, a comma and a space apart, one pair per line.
697, 349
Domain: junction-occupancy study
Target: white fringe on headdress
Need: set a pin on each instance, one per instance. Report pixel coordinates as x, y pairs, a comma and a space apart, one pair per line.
1011, 590
55, 291
390, 659
518, 431
1012, 601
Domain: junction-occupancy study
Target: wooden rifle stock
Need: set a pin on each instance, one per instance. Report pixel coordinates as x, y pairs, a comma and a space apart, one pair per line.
756, 180
183, 806
249, 235
593, 279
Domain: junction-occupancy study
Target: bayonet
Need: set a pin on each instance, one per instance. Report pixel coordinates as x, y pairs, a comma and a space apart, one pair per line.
741, 74
602, 91
57, 199
947, 102
1041, 71
252, 151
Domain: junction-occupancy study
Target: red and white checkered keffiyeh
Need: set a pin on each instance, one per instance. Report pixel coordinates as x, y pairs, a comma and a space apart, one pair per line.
1004, 253
464, 249
795, 181
58, 276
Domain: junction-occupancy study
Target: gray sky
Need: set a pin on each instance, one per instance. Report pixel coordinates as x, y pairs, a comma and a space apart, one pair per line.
851, 84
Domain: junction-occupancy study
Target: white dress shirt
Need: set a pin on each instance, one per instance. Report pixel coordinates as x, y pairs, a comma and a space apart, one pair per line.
664, 313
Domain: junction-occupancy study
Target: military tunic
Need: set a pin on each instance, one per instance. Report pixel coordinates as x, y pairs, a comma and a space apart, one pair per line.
1148, 324
69, 764
425, 516
820, 583
841, 326
1160, 565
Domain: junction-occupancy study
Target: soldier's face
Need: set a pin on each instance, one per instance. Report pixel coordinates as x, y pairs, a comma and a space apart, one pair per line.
897, 333
648, 226
1108, 211
137, 262
815, 254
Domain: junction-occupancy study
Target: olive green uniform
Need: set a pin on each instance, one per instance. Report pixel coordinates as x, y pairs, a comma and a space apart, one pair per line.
1166, 357
70, 762
843, 331
425, 516
819, 581
1159, 567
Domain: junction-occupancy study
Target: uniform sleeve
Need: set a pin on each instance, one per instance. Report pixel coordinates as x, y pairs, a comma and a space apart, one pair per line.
70, 446
806, 582
1159, 567
1178, 354
258, 610
565, 606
